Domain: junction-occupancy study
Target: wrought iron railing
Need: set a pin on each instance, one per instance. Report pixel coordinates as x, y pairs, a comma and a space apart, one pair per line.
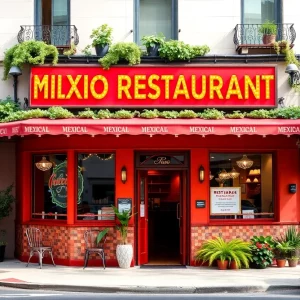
57, 35
248, 34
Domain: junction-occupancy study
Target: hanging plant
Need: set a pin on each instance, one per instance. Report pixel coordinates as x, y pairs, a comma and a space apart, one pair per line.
29, 52
129, 52
178, 50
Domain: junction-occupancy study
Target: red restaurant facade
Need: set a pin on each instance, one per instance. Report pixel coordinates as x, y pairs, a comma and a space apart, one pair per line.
186, 179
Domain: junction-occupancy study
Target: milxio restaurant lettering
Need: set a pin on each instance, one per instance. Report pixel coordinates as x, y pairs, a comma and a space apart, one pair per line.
153, 86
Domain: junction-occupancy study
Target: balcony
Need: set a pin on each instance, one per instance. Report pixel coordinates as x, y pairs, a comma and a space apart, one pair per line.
248, 39
60, 36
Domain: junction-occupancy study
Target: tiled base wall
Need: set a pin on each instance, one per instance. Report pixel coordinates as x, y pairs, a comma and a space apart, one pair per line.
202, 233
68, 243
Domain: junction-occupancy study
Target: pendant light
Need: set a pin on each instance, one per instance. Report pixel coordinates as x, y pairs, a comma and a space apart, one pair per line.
244, 162
44, 164
233, 173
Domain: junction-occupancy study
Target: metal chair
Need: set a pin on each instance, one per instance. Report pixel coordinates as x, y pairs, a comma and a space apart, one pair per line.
94, 246
34, 237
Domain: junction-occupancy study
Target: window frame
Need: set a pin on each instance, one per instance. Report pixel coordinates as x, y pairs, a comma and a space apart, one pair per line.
76, 165
32, 192
136, 15
263, 219
37, 11
278, 11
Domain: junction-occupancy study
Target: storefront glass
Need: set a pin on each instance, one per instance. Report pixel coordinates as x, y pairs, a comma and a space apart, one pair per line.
96, 186
49, 196
241, 186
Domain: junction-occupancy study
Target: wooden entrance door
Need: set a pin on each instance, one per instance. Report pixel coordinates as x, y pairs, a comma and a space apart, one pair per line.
142, 205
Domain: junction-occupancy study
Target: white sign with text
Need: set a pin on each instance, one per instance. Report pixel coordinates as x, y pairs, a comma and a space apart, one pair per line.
225, 200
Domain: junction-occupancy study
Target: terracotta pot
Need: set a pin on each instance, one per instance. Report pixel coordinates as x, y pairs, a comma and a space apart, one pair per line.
269, 39
233, 265
222, 265
293, 262
280, 262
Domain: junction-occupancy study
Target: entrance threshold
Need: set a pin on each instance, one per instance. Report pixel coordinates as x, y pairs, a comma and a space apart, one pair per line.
149, 266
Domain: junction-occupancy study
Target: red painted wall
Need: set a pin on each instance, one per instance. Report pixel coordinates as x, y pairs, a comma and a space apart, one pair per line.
286, 170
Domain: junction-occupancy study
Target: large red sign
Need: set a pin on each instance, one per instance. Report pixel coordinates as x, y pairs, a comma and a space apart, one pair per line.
153, 87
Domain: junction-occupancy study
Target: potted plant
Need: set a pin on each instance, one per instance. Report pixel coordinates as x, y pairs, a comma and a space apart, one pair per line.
101, 39
126, 51
6, 200
153, 43
178, 50
124, 251
292, 236
261, 249
224, 252
268, 30
282, 248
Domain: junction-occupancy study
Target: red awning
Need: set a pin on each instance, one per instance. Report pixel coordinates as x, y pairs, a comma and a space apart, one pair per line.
138, 126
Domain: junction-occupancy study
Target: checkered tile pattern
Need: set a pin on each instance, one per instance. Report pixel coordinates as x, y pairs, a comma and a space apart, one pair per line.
202, 233
68, 242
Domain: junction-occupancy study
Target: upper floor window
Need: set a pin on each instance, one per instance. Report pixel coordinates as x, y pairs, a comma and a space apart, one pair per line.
154, 17
52, 20
259, 11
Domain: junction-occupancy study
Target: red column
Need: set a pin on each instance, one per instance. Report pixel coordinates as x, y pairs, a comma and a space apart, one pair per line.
25, 184
72, 183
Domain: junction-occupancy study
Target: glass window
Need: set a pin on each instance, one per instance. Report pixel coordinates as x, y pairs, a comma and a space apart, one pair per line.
55, 14
96, 179
241, 186
49, 199
154, 17
258, 11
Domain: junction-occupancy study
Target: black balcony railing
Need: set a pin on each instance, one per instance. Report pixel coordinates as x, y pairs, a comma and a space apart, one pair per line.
57, 35
248, 34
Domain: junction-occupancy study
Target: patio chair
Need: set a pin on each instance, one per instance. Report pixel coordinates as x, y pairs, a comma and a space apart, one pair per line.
35, 241
94, 243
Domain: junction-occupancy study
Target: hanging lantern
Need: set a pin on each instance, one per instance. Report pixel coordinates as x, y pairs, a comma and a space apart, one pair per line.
44, 164
234, 174
244, 162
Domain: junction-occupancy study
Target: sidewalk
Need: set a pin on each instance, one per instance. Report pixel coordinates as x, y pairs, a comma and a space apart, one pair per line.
14, 273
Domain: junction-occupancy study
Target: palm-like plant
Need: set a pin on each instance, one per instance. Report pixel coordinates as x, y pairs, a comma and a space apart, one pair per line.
292, 236
123, 217
217, 248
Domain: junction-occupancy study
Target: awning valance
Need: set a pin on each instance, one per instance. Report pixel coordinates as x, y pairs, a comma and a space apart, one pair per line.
138, 126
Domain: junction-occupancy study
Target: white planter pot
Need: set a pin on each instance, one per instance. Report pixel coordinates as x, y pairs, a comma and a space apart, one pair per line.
124, 255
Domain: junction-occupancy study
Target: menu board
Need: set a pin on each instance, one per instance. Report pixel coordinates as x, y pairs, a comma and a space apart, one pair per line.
225, 200
124, 204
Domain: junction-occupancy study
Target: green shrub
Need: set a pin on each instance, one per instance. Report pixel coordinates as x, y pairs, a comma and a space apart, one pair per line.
29, 52
102, 35
217, 248
152, 40
211, 114
178, 50
121, 51
268, 27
